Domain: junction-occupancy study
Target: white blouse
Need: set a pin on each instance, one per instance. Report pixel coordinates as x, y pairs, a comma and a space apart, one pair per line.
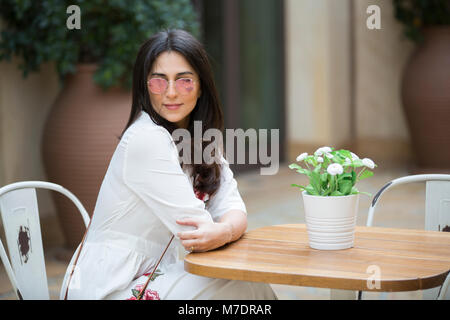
142, 195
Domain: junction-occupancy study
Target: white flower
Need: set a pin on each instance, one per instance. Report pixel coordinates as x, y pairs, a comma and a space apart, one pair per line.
329, 155
302, 156
326, 149
354, 156
347, 162
319, 159
335, 168
322, 150
368, 163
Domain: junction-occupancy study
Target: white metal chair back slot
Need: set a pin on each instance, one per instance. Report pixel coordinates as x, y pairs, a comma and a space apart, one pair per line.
20, 216
437, 212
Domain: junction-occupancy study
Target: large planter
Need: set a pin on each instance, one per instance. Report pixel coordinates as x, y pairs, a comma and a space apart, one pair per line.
330, 221
426, 99
80, 137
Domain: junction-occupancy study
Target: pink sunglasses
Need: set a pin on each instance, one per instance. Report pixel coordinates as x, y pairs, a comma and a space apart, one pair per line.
183, 86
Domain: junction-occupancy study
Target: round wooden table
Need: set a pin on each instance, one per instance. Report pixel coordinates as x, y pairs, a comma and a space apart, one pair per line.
382, 259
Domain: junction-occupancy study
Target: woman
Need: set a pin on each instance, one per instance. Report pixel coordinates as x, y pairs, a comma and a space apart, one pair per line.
147, 195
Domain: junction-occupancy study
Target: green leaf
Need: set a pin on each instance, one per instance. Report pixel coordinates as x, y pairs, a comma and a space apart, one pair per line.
345, 176
317, 169
135, 292
353, 177
331, 182
314, 180
299, 169
327, 192
311, 191
338, 158
156, 274
304, 171
345, 154
324, 180
310, 160
345, 186
336, 193
357, 163
365, 174
298, 186
294, 166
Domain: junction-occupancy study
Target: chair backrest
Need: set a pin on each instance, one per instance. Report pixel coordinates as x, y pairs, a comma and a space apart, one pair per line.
437, 210
437, 206
20, 215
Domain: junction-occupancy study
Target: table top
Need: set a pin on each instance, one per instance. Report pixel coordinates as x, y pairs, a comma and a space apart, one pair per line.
397, 259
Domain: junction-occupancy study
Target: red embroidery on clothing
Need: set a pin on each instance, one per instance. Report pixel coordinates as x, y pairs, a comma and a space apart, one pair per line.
148, 294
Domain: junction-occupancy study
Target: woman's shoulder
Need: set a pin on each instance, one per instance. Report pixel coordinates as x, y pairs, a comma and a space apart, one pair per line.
145, 130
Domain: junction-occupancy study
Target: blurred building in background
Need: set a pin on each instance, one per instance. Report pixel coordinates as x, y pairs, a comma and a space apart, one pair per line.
310, 68
314, 70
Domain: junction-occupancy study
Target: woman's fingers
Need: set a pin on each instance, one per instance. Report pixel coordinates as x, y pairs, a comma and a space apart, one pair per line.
189, 222
187, 235
197, 240
191, 245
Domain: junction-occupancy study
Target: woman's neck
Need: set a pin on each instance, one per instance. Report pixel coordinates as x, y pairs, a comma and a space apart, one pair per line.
183, 124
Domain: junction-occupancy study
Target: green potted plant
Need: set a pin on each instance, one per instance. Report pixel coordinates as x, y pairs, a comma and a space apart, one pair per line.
331, 198
95, 65
425, 84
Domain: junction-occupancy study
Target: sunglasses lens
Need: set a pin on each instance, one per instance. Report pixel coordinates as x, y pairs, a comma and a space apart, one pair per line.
184, 85
157, 85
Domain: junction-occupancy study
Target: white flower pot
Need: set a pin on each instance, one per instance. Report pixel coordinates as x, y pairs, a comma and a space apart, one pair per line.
330, 221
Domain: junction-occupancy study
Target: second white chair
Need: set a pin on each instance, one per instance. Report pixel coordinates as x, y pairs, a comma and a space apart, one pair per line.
437, 213
20, 215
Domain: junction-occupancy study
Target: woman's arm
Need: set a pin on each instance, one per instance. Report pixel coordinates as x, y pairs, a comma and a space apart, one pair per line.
237, 221
229, 217
211, 235
152, 171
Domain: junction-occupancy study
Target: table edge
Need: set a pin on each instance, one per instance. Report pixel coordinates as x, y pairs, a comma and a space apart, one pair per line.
396, 285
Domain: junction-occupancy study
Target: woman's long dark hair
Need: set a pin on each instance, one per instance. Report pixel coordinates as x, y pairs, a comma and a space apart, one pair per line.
206, 177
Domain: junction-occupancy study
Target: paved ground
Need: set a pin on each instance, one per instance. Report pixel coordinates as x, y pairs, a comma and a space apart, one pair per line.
271, 200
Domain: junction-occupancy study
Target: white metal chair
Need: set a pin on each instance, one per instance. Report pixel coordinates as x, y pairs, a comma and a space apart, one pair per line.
437, 213
19, 210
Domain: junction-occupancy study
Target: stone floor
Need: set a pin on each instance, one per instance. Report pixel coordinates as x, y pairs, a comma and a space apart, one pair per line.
270, 200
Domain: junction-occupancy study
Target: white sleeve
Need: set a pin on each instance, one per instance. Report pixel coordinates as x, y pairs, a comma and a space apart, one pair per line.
152, 171
227, 197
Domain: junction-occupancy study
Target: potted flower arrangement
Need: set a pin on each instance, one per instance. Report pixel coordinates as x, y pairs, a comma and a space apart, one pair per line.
331, 197
95, 64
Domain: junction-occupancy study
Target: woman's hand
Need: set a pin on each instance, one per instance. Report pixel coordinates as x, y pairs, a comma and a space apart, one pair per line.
208, 235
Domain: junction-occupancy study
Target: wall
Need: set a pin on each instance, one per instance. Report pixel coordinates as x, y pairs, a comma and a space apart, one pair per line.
344, 79
317, 72
24, 105
380, 58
